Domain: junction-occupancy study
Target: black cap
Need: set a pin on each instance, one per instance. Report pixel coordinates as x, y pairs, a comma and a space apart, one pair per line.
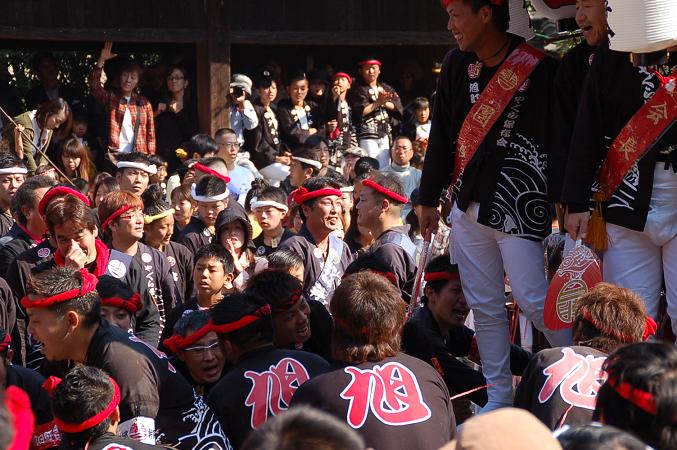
264, 80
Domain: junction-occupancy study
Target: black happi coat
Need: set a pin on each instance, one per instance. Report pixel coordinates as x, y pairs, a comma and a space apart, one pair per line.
377, 124
264, 250
152, 387
7, 308
195, 235
569, 82
263, 142
16, 241
422, 338
290, 128
399, 402
181, 265
313, 262
613, 92
6, 222
110, 441
560, 385
260, 386
507, 175
395, 248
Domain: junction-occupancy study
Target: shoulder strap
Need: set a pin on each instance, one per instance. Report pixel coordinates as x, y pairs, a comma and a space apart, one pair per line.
136, 125
493, 100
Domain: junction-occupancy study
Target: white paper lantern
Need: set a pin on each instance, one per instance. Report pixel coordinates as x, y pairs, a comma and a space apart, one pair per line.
519, 20
556, 9
642, 26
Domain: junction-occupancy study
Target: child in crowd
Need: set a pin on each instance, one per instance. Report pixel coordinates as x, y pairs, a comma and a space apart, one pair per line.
211, 194
270, 210
160, 177
234, 233
287, 261
184, 209
75, 160
119, 303
213, 277
422, 117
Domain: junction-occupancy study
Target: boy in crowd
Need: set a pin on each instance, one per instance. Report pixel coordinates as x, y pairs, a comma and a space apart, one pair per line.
119, 304
213, 275
134, 171
270, 209
263, 380
422, 116
211, 194
288, 261
196, 350
325, 256
305, 164
12, 175
393, 400
64, 309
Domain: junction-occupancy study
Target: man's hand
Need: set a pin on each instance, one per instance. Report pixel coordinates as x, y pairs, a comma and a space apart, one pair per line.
75, 257
576, 225
106, 53
284, 159
429, 218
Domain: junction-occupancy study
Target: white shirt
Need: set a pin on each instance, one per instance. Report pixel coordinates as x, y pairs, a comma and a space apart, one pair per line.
240, 182
244, 119
126, 131
39, 137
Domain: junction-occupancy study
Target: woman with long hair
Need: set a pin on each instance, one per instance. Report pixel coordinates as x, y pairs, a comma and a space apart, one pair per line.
75, 161
37, 127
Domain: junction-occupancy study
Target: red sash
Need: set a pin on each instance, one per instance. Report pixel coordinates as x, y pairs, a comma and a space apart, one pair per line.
492, 102
637, 137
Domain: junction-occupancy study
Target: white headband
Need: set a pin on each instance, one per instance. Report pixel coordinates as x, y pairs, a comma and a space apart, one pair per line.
348, 189
310, 162
204, 199
151, 169
17, 170
256, 203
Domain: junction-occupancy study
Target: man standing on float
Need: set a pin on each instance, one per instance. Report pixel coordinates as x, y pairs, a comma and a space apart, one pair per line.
489, 139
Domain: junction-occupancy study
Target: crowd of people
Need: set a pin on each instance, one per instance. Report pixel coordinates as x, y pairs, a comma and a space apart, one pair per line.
338, 270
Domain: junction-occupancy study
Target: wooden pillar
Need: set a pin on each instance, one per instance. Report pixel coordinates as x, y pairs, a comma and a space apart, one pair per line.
213, 69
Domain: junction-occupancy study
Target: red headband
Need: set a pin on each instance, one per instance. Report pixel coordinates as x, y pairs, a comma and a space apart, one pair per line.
649, 328
387, 192
4, 344
293, 299
88, 285
370, 62
66, 427
106, 223
242, 322
57, 192
208, 170
387, 275
302, 195
132, 305
102, 254
18, 404
344, 75
441, 276
641, 399
178, 342
445, 3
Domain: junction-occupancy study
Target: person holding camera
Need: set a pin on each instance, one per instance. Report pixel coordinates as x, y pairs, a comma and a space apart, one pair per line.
242, 113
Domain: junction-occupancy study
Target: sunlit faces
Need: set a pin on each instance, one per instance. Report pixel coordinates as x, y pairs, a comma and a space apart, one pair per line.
267, 95
70, 163
128, 225
269, 217
52, 331
33, 218
591, 18
133, 180
292, 326
209, 276
228, 147
369, 208
176, 81
448, 306
183, 210
298, 90
128, 82
325, 213
54, 121
204, 359
370, 72
119, 317
9, 183
70, 235
232, 234
422, 115
298, 174
467, 26
208, 211
342, 83
402, 152
158, 233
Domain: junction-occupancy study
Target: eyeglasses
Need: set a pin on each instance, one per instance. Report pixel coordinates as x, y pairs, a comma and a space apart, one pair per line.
201, 350
175, 78
136, 214
230, 144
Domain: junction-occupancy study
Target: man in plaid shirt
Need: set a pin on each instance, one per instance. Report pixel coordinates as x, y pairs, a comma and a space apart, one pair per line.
130, 116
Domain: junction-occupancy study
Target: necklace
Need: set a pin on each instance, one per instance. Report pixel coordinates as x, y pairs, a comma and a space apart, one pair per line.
507, 41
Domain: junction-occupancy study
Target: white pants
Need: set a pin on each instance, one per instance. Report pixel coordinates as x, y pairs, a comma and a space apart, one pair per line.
482, 255
377, 148
640, 260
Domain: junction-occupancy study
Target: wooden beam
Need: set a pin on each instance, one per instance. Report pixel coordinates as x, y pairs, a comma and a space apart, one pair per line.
161, 35
213, 69
361, 38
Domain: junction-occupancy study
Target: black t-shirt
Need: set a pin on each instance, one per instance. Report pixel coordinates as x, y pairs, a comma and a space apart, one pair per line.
560, 385
109, 441
152, 387
400, 402
260, 386
264, 250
